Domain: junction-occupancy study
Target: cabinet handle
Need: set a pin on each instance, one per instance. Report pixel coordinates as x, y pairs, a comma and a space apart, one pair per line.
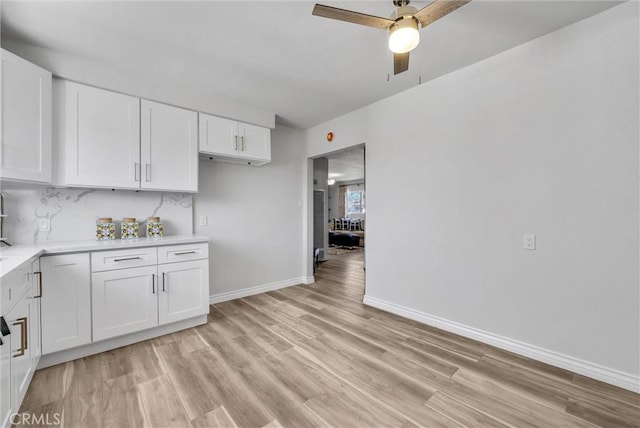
39, 285
128, 258
184, 253
163, 282
22, 322
147, 172
236, 145
153, 283
136, 171
242, 144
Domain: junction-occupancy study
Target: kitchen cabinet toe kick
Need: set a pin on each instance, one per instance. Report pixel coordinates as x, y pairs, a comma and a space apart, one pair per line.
117, 342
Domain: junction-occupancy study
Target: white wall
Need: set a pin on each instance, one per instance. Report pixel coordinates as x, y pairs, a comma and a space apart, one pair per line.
255, 219
540, 139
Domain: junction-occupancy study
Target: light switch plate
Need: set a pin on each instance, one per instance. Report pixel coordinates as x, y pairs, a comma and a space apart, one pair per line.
204, 220
529, 241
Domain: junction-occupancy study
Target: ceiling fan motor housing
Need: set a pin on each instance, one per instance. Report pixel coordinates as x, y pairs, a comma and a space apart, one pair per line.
404, 12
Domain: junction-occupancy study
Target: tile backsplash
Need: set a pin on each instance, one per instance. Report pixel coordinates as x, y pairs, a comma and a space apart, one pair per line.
72, 213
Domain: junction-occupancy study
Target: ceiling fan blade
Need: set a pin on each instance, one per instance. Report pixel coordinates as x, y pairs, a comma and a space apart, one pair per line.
436, 10
353, 17
400, 62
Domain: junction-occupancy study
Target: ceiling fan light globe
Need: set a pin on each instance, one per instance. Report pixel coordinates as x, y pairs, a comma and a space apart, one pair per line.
404, 36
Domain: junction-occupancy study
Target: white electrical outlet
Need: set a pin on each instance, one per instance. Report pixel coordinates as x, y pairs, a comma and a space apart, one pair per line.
529, 241
204, 220
44, 225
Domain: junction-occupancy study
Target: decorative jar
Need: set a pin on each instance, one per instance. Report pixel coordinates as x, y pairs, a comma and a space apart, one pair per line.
105, 229
154, 227
130, 228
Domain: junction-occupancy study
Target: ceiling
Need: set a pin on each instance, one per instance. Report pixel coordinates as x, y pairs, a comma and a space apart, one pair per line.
347, 165
274, 55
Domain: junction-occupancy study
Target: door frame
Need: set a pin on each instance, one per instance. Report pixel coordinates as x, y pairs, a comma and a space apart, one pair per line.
308, 219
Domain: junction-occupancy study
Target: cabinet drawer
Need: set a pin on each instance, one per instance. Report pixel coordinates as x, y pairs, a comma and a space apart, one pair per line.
181, 253
121, 259
14, 285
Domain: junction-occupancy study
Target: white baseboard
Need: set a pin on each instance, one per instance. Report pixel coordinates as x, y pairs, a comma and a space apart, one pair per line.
232, 295
586, 368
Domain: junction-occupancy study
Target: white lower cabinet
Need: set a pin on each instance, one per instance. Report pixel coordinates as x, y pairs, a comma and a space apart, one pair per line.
19, 337
5, 378
21, 370
124, 301
130, 299
184, 290
66, 302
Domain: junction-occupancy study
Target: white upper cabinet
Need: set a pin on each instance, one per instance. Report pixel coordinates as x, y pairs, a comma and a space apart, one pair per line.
102, 138
118, 141
169, 141
218, 135
26, 121
255, 142
234, 141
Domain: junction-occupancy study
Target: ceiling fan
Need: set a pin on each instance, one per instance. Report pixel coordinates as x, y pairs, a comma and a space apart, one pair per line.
403, 25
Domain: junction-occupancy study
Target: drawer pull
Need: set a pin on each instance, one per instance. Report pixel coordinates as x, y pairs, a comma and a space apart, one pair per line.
128, 258
39, 285
185, 253
22, 322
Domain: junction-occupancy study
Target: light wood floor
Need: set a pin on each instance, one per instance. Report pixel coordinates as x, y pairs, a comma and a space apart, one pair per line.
314, 355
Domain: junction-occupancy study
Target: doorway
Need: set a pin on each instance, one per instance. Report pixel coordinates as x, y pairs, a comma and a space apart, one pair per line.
339, 205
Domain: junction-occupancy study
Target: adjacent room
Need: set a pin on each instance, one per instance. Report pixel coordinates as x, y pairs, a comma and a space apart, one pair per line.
339, 203
278, 214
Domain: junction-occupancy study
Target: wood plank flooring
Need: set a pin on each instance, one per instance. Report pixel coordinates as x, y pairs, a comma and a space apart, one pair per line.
315, 356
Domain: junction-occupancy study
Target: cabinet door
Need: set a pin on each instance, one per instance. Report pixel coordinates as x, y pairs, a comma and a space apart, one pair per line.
5, 379
102, 138
255, 142
66, 302
184, 290
218, 136
26, 120
124, 301
35, 337
21, 370
169, 141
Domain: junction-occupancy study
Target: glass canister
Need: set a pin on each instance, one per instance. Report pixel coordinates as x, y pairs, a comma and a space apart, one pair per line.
154, 227
130, 228
105, 229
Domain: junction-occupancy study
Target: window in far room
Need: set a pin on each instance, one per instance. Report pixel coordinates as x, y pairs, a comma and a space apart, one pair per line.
355, 202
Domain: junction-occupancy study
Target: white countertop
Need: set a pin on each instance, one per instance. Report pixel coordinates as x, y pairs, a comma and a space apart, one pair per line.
12, 257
